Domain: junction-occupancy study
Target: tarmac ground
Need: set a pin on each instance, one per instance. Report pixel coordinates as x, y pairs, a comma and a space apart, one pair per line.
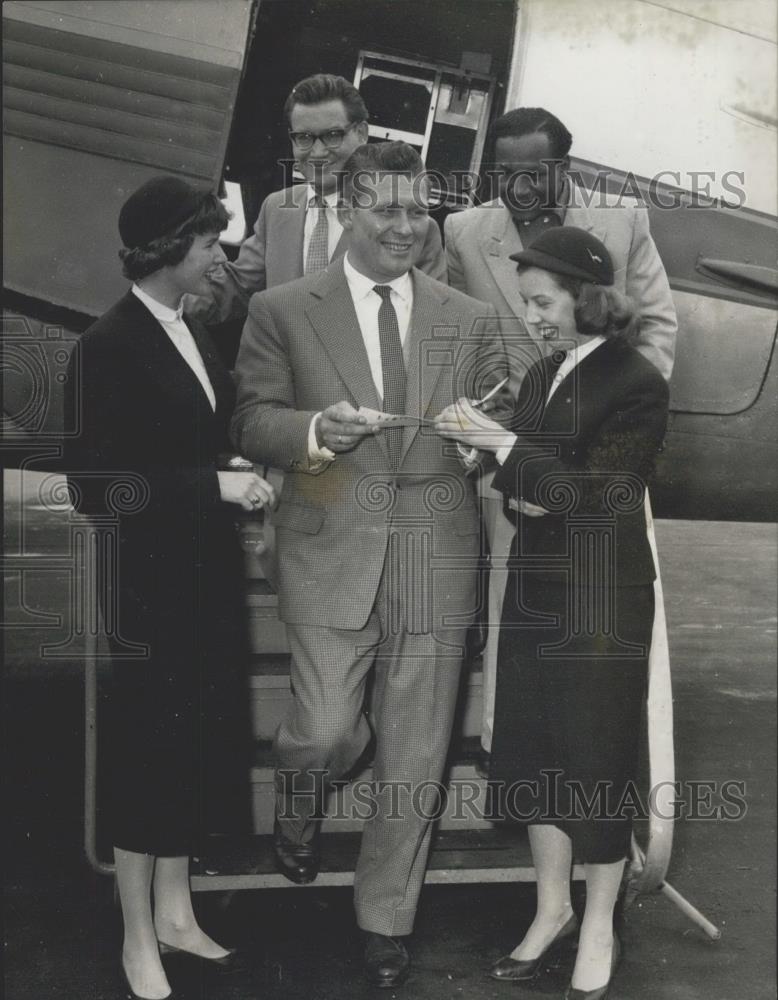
62, 927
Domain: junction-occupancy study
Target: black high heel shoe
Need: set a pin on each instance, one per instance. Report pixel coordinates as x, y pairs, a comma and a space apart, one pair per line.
511, 970
601, 992
130, 992
225, 961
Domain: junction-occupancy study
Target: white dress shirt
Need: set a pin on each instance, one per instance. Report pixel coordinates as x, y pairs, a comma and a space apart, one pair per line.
334, 228
366, 305
172, 323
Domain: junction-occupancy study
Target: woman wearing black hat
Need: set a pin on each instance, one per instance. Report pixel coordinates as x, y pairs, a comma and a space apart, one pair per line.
578, 610
154, 403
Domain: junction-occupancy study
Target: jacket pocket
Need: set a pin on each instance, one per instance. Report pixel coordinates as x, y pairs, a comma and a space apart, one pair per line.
299, 517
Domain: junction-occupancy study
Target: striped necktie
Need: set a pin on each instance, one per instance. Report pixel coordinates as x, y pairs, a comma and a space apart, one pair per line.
392, 367
318, 256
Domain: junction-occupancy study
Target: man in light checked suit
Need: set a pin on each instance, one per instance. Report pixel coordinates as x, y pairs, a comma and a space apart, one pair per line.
378, 531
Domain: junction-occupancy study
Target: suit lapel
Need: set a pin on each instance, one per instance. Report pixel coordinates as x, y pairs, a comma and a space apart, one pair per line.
222, 384
342, 245
289, 235
570, 391
577, 214
427, 320
332, 315
160, 357
499, 241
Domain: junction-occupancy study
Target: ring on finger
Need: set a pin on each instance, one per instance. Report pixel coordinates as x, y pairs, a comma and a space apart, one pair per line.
255, 501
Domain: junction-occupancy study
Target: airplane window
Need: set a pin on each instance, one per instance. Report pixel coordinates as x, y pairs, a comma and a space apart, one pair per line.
233, 202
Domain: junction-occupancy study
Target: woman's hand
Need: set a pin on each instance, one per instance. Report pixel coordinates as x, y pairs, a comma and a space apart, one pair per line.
247, 489
464, 423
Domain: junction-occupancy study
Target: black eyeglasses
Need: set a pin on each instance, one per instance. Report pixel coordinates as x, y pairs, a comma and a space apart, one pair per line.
332, 138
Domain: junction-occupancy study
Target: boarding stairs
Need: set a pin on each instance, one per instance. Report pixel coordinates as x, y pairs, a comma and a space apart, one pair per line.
466, 847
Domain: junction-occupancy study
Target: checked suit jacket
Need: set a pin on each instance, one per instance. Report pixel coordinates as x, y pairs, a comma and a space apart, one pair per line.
302, 350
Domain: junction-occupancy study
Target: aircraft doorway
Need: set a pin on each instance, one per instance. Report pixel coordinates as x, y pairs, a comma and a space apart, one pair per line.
297, 38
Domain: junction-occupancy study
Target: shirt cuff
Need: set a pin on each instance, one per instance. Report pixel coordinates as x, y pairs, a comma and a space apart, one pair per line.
318, 458
468, 457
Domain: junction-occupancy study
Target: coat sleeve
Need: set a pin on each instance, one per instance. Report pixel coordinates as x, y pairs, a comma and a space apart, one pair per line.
433, 259
620, 455
266, 426
237, 281
105, 462
649, 289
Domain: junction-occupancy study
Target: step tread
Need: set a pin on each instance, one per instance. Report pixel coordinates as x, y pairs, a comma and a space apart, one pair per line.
277, 664
463, 750
269, 664
497, 848
258, 591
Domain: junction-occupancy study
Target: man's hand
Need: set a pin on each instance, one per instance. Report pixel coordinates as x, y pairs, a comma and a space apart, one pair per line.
247, 489
340, 427
469, 426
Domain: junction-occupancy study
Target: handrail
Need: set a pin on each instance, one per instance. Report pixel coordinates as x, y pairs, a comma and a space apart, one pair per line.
648, 876
92, 631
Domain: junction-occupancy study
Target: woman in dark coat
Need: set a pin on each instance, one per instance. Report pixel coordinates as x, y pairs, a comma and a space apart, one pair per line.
154, 403
579, 606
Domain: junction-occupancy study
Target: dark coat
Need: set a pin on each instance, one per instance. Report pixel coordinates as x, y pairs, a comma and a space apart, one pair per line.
587, 457
145, 459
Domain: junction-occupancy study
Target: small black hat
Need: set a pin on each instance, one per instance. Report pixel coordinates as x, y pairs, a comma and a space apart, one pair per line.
158, 208
571, 251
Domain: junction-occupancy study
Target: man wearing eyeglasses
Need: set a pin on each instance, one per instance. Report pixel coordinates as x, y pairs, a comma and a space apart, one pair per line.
298, 231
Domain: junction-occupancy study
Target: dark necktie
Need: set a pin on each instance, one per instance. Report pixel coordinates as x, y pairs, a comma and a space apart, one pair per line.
392, 367
318, 257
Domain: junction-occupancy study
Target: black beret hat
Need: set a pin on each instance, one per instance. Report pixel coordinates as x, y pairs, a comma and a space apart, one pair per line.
571, 251
157, 209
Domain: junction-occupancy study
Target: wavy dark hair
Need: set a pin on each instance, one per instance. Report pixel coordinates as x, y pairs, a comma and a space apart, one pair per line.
599, 309
327, 87
167, 251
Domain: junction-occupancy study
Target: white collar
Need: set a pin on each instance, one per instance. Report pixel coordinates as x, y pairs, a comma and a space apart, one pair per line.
577, 354
330, 200
157, 309
361, 285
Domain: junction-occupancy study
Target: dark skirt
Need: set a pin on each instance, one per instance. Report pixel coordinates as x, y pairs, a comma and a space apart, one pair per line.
571, 683
177, 726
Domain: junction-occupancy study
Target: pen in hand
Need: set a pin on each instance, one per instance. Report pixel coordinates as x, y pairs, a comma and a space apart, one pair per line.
492, 392
469, 454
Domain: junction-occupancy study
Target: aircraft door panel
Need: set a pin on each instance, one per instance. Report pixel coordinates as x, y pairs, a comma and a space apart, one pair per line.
95, 105
722, 353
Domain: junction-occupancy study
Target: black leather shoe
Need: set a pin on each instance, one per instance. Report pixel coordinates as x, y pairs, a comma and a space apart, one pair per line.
297, 862
601, 992
386, 960
226, 961
129, 992
517, 969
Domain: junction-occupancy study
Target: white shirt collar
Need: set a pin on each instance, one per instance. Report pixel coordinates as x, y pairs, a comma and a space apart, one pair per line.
577, 354
159, 311
330, 200
361, 285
